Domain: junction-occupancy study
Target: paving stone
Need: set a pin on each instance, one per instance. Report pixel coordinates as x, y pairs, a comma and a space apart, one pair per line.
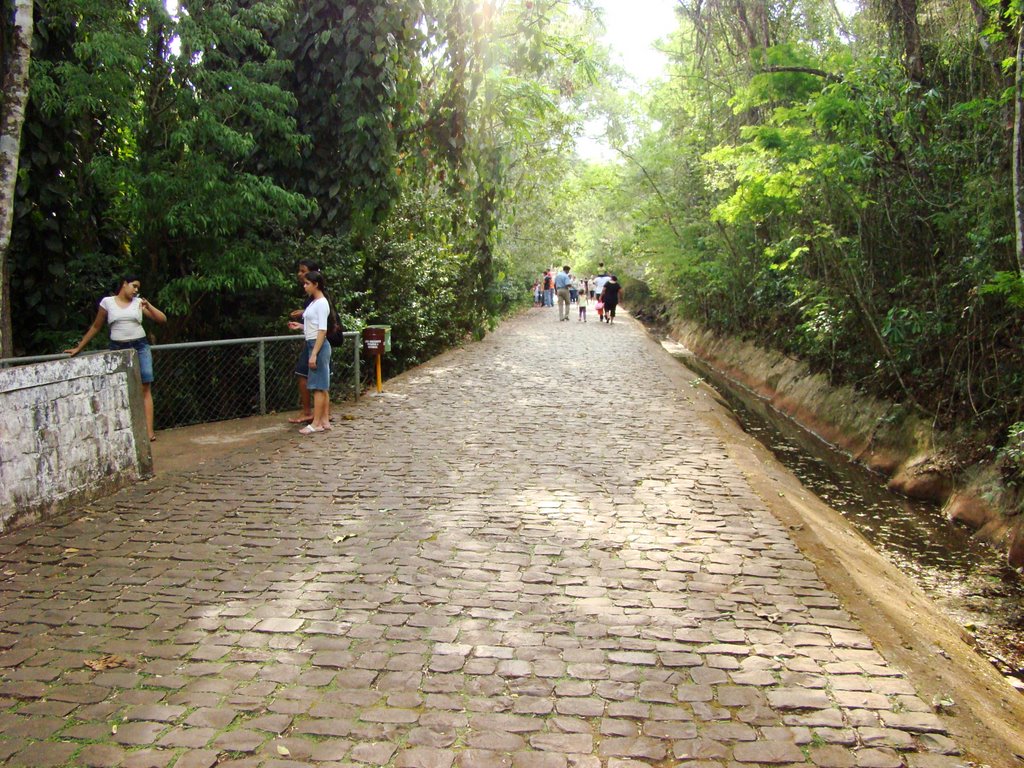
539, 760
878, 758
197, 758
563, 742
574, 688
862, 700
240, 741
378, 753
935, 742
487, 610
9, 747
269, 723
482, 758
532, 705
637, 747
832, 756
424, 757
915, 722
731, 732
798, 698
100, 756
885, 737
205, 717
328, 750
935, 761
154, 713
148, 758
612, 727
496, 741
15, 725
675, 730
278, 625
139, 734
826, 718
437, 736
43, 754
694, 693
87, 731
446, 663
767, 752
193, 738
507, 723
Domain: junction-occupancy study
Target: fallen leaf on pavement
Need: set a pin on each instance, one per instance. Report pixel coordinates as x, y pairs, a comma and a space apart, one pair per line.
111, 661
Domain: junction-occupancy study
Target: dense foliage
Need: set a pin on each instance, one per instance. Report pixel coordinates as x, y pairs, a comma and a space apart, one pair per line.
207, 146
838, 188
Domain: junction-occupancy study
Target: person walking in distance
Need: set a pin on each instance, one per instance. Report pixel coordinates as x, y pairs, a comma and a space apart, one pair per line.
600, 280
123, 312
612, 293
302, 268
315, 365
549, 289
582, 302
562, 283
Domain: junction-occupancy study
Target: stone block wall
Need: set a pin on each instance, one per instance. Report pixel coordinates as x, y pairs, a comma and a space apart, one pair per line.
70, 431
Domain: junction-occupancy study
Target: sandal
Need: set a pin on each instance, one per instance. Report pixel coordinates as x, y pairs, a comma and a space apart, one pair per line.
309, 429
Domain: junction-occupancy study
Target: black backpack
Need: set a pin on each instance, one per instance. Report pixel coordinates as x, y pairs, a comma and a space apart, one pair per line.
335, 330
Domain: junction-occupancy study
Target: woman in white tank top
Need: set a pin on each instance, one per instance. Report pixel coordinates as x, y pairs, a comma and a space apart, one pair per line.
124, 312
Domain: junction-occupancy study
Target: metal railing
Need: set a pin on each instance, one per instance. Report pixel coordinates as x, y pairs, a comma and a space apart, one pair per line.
201, 381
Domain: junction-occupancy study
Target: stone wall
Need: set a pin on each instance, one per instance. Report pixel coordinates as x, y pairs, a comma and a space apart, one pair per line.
70, 430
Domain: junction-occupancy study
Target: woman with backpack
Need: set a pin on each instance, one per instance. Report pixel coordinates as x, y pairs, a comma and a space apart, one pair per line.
315, 364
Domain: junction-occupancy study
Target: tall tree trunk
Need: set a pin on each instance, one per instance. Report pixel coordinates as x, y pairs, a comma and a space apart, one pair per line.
12, 117
905, 12
1018, 155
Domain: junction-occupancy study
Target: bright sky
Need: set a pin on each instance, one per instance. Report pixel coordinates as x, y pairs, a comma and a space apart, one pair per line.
632, 28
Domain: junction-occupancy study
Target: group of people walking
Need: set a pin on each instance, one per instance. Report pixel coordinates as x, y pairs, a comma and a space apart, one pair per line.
603, 289
124, 310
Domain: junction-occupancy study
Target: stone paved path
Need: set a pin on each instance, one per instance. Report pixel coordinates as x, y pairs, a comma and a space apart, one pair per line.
530, 553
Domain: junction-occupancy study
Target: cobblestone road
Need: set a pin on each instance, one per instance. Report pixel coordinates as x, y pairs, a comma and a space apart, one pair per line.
528, 553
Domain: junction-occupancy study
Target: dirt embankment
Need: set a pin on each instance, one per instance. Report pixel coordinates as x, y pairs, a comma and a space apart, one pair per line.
878, 434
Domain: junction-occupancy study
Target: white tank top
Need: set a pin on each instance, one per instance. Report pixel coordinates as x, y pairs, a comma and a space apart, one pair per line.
125, 322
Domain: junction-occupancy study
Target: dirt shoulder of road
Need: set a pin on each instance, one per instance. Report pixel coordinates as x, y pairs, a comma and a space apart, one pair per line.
908, 629
186, 449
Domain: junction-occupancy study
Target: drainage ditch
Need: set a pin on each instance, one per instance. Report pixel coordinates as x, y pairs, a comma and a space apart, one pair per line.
966, 578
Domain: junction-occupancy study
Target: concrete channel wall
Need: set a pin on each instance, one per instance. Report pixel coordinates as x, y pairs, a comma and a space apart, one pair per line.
70, 431
881, 435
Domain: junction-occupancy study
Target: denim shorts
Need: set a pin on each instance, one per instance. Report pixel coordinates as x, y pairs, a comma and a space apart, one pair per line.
141, 346
321, 377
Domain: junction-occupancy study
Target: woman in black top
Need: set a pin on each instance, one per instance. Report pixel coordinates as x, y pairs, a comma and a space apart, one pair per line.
612, 292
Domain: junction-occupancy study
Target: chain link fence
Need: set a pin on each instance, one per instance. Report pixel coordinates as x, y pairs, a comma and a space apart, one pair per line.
203, 381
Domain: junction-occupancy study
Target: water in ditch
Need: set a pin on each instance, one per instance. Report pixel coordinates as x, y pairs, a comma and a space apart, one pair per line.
967, 578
